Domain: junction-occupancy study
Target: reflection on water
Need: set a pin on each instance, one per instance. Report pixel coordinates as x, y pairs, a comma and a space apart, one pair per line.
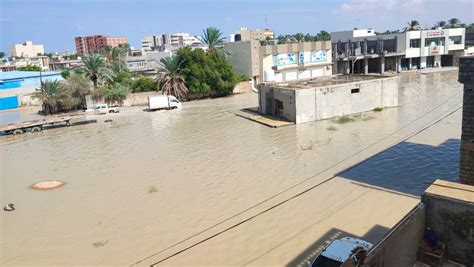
206, 163
409, 168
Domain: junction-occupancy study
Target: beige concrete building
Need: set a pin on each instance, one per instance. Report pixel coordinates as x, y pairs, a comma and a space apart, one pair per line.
281, 63
246, 34
26, 49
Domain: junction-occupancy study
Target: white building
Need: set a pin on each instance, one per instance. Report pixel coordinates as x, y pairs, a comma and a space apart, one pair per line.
26, 49
246, 34
166, 42
146, 61
363, 51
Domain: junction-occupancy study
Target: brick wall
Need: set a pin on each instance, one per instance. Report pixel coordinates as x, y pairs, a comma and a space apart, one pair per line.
466, 76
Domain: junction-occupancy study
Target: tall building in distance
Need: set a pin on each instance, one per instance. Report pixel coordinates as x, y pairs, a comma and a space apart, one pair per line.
86, 45
172, 41
26, 49
246, 34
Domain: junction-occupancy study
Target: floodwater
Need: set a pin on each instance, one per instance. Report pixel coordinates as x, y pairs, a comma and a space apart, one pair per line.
148, 182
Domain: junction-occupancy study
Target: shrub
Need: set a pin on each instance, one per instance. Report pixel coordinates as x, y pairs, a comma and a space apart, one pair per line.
117, 92
378, 109
65, 74
144, 84
344, 119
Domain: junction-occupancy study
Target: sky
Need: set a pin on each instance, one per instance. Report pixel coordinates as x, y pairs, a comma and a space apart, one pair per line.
55, 23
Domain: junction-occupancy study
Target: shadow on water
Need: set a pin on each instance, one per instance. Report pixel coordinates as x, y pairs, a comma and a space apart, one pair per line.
309, 254
408, 168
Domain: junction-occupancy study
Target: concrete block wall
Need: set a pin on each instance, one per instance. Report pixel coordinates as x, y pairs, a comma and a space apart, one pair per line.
400, 246
466, 76
450, 213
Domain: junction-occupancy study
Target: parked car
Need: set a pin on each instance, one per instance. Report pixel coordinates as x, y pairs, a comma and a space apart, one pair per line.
105, 108
339, 251
163, 102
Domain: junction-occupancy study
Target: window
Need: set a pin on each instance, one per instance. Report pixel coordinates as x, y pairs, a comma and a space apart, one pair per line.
455, 40
434, 41
415, 43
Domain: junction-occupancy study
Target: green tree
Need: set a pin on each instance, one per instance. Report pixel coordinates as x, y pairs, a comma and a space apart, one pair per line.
214, 39
309, 38
117, 92
115, 57
65, 73
453, 23
30, 68
96, 69
323, 36
207, 74
54, 97
78, 86
440, 24
282, 39
413, 25
144, 84
470, 26
299, 37
2, 55
171, 82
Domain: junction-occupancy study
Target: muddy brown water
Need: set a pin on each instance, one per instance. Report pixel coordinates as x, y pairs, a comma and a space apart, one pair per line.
204, 163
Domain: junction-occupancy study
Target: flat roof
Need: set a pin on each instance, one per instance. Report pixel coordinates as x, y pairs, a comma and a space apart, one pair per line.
322, 82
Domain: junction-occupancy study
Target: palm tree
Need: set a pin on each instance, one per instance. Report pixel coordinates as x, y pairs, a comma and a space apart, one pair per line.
452, 23
171, 82
50, 96
96, 68
413, 25
213, 39
440, 24
115, 56
299, 37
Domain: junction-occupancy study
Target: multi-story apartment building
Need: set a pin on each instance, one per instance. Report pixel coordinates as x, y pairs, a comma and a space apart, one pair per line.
280, 63
363, 51
145, 61
86, 45
246, 34
26, 49
169, 41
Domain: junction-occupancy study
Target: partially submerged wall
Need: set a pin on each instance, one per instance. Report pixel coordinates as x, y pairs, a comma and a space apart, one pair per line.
450, 213
399, 247
303, 103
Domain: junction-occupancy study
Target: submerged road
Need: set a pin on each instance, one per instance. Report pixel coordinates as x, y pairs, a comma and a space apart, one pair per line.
201, 186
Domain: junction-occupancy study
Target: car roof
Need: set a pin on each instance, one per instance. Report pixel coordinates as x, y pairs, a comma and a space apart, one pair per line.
341, 249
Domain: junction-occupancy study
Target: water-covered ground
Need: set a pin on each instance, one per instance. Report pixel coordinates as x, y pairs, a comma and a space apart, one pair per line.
152, 186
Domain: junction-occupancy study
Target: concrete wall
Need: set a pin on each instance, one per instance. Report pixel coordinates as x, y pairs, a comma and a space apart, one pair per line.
399, 247
244, 57
317, 103
466, 76
450, 213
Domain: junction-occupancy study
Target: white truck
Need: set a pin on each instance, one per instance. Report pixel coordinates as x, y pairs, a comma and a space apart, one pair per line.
105, 108
163, 102
340, 251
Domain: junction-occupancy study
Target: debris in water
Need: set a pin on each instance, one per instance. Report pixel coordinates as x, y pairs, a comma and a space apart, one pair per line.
108, 120
331, 128
152, 189
9, 207
309, 147
100, 243
47, 185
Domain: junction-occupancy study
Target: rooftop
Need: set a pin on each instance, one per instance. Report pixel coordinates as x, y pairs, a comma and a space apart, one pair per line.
322, 82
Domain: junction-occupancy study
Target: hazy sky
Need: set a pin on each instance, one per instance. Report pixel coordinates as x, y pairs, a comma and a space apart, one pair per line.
55, 23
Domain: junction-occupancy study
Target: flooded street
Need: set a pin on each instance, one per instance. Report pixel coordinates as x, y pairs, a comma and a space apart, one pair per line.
200, 185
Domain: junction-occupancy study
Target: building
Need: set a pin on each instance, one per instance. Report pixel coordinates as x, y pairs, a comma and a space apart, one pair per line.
323, 98
166, 42
246, 34
146, 61
86, 45
281, 63
363, 51
40, 61
26, 49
